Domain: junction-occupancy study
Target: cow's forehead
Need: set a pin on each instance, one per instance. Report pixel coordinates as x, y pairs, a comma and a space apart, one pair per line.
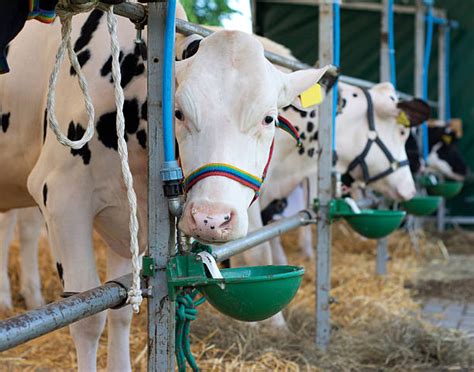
230, 64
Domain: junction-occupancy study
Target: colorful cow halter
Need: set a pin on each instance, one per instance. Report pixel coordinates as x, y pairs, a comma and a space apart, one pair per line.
347, 179
42, 15
234, 173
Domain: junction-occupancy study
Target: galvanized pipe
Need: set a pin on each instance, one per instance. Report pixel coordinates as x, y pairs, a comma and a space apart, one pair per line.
268, 232
35, 323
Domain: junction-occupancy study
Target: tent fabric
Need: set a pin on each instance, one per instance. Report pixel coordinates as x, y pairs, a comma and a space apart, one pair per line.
296, 26
13, 15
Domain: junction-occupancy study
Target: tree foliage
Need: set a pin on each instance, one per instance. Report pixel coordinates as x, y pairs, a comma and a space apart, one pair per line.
208, 12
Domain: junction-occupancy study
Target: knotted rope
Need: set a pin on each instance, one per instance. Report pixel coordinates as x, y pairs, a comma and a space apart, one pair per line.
65, 12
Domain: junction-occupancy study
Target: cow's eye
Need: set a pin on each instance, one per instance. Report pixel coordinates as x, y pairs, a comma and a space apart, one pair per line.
403, 132
268, 120
179, 115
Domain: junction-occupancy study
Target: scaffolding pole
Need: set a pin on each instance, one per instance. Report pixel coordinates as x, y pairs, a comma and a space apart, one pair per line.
323, 263
161, 312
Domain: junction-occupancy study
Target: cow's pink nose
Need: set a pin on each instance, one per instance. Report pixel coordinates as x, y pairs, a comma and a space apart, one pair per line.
213, 224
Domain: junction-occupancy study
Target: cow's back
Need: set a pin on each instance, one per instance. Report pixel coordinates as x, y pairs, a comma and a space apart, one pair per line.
22, 108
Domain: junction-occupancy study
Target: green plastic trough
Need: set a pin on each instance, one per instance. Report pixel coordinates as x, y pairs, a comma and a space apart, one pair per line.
446, 189
253, 293
422, 205
374, 224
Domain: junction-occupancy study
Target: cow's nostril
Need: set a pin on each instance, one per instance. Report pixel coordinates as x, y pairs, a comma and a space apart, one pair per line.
227, 219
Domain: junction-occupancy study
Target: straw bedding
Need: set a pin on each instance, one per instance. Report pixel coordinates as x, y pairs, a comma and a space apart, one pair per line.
376, 323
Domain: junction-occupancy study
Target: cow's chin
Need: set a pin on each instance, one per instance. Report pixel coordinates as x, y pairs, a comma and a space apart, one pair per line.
213, 222
399, 191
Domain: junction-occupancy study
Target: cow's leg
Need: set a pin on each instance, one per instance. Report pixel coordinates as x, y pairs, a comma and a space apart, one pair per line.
119, 320
7, 227
305, 233
30, 222
278, 253
69, 216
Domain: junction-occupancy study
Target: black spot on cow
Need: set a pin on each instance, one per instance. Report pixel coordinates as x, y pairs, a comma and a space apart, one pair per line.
5, 121
82, 58
311, 152
74, 133
312, 113
59, 269
45, 194
141, 137
107, 67
297, 128
310, 126
45, 124
301, 150
131, 67
106, 127
315, 136
285, 108
87, 30
355, 95
302, 113
303, 136
144, 110
344, 102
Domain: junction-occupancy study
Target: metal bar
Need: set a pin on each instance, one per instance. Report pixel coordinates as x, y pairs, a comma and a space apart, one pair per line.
35, 323
461, 220
323, 263
187, 28
160, 240
441, 74
384, 50
268, 232
133, 11
382, 256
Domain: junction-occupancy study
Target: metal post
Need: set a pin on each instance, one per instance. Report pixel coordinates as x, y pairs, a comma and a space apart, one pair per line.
441, 212
160, 227
323, 264
384, 49
419, 47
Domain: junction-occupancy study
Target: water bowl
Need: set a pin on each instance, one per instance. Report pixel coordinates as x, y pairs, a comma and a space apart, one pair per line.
446, 189
422, 205
374, 224
253, 293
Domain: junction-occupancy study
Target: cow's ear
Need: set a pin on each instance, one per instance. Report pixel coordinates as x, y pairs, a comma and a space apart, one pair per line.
297, 82
416, 110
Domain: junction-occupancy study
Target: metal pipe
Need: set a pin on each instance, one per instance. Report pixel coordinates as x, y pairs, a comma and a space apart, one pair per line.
161, 310
133, 11
35, 323
270, 231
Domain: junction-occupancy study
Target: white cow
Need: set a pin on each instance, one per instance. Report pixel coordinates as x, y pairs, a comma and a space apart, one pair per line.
227, 100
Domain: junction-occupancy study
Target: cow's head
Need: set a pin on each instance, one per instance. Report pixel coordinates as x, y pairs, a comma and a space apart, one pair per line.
227, 102
397, 183
444, 156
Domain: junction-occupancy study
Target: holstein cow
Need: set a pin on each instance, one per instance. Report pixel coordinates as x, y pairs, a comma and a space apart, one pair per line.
227, 101
444, 157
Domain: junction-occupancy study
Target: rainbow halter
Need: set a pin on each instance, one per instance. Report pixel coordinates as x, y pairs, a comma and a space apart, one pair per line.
234, 173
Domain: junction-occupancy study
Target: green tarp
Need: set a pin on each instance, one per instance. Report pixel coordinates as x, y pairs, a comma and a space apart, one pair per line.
296, 26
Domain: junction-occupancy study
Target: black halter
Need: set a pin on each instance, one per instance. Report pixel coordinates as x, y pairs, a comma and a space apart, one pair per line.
360, 159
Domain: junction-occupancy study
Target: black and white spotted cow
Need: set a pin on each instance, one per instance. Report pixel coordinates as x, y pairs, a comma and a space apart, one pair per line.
227, 101
444, 157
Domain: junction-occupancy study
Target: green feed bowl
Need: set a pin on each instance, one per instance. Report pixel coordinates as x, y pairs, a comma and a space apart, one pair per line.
446, 189
374, 224
422, 205
254, 293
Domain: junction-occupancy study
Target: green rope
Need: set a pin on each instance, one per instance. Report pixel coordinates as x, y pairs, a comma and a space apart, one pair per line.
185, 312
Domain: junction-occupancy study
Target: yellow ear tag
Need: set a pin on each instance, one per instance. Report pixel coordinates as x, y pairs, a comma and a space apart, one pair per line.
403, 119
446, 139
312, 96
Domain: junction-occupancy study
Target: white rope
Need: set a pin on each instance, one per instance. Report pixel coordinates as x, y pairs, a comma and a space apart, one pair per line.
65, 12
135, 293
